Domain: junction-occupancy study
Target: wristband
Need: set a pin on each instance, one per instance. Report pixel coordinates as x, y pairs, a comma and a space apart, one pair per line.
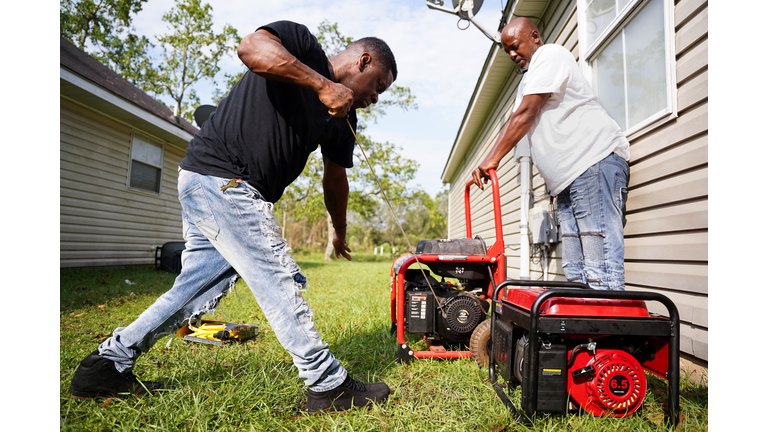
339, 227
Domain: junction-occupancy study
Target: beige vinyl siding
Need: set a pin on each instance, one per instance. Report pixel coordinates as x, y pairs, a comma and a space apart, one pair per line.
666, 236
667, 209
102, 221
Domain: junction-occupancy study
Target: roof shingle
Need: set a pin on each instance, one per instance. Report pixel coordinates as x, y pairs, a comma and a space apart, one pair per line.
93, 70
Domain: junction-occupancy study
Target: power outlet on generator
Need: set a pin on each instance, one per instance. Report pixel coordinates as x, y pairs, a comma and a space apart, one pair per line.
544, 227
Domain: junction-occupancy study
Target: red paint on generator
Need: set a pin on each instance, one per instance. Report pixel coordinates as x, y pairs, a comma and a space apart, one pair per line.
568, 347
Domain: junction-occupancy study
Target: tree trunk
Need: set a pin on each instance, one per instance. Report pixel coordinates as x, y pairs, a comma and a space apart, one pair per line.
329, 246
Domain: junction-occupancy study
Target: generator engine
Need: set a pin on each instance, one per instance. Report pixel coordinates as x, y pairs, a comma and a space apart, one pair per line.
608, 382
446, 311
447, 314
569, 348
601, 377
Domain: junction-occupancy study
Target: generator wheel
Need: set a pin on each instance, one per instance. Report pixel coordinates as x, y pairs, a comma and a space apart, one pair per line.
480, 343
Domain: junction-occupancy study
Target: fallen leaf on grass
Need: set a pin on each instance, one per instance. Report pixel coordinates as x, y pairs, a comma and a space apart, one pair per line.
106, 403
499, 428
680, 423
102, 307
656, 418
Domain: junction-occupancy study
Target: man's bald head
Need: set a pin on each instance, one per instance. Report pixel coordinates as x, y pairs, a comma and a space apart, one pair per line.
520, 39
521, 24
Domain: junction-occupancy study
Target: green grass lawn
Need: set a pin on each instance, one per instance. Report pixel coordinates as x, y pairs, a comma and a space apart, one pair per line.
254, 385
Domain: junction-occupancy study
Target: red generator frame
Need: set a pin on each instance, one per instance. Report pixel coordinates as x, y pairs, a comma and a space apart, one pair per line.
576, 314
494, 262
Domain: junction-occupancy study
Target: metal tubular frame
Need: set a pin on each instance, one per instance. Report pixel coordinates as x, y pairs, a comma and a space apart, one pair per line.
494, 259
568, 289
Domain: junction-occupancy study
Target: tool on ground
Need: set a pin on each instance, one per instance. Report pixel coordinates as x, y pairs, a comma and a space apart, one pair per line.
217, 332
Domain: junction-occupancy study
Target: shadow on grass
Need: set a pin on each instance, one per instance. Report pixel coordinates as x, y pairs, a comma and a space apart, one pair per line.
83, 288
86, 288
374, 352
694, 398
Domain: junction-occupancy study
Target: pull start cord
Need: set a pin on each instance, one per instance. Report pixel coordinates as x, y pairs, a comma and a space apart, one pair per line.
392, 210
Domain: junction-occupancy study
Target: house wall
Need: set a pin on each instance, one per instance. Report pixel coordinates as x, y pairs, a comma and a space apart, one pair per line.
102, 221
666, 236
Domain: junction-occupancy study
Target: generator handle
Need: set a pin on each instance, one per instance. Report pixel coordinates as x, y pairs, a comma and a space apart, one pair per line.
548, 284
673, 375
496, 209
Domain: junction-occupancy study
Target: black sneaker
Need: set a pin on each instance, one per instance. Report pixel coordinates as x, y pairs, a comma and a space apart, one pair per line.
96, 377
350, 393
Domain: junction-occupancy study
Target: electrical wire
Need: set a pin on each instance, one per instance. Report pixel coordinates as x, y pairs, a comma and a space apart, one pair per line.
392, 210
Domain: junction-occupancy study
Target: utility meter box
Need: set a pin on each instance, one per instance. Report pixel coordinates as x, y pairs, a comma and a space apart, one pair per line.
544, 226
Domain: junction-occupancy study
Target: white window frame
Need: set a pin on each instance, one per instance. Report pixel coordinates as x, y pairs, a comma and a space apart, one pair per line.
587, 54
153, 141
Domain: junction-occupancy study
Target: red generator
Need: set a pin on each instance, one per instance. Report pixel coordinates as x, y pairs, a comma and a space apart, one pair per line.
447, 313
567, 346
573, 348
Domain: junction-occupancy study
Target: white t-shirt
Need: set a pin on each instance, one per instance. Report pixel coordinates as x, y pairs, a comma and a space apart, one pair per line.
572, 132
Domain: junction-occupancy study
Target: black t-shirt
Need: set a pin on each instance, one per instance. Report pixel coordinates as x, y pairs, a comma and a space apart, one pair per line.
264, 130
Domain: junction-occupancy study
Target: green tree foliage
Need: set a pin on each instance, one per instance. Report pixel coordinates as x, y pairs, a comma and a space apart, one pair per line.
426, 216
103, 28
191, 52
421, 217
83, 21
129, 58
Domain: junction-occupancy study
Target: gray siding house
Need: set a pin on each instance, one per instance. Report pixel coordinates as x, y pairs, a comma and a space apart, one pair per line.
647, 62
119, 149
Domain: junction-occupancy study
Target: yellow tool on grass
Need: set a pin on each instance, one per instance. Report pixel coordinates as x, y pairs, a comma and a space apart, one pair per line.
217, 332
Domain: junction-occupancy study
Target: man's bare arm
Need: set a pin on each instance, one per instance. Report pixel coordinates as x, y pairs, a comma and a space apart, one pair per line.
516, 127
336, 195
263, 54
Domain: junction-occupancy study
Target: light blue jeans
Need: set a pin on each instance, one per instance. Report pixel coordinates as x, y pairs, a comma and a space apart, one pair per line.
230, 233
591, 212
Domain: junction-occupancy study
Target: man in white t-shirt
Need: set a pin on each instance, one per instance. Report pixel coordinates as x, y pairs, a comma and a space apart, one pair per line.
579, 150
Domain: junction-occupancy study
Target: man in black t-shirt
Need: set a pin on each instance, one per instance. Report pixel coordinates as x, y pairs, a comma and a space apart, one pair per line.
251, 148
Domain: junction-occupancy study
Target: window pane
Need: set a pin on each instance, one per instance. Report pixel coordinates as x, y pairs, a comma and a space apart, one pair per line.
600, 13
646, 65
145, 177
146, 152
608, 80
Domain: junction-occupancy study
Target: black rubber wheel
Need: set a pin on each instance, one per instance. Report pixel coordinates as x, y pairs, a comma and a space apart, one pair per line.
480, 343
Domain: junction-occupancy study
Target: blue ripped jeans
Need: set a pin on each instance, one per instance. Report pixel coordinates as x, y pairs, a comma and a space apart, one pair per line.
591, 213
230, 233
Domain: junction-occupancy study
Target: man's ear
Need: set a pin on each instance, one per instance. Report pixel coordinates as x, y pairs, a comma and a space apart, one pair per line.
364, 61
536, 36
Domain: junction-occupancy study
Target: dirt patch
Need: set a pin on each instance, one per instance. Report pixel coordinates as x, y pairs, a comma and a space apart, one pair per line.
695, 369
